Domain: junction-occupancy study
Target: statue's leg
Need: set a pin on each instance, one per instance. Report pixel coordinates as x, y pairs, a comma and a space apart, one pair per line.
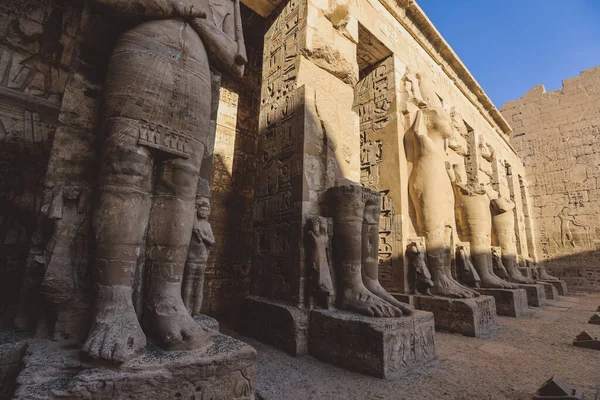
480, 226
352, 295
119, 221
170, 228
370, 257
504, 226
199, 289
433, 224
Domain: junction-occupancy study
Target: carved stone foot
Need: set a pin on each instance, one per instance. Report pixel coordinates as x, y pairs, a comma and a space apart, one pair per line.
447, 287
493, 282
375, 287
544, 276
170, 323
116, 334
362, 301
519, 278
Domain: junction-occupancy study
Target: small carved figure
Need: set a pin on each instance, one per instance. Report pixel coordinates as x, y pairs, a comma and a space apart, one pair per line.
465, 270
419, 275
499, 268
318, 260
192, 288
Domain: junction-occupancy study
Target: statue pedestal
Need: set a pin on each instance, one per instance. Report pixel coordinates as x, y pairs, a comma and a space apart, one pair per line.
509, 302
471, 317
536, 294
383, 347
226, 369
278, 324
551, 292
561, 286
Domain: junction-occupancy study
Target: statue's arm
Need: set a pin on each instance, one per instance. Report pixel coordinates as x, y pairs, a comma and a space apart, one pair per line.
153, 8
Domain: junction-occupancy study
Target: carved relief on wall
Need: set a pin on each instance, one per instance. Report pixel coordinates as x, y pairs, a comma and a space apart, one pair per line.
36, 53
277, 220
374, 96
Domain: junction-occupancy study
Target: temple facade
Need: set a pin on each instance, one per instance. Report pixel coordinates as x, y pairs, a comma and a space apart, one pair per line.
346, 165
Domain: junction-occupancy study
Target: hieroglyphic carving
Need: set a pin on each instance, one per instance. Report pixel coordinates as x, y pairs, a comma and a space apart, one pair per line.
373, 99
277, 221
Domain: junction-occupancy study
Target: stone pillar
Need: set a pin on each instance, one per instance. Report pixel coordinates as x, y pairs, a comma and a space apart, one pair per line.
308, 138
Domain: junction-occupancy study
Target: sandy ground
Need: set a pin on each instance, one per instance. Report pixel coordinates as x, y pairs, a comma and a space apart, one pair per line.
510, 365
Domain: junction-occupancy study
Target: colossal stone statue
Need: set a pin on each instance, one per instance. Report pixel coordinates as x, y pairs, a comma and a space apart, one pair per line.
476, 220
432, 196
192, 288
503, 222
356, 211
157, 97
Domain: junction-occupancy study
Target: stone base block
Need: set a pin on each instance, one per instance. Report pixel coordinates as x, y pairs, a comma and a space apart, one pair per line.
536, 294
12, 351
551, 292
278, 324
561, 286
383, 347
471, 317
55, 370
509, 302
207, 322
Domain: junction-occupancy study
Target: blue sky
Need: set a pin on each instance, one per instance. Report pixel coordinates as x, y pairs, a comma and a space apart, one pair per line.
511, 46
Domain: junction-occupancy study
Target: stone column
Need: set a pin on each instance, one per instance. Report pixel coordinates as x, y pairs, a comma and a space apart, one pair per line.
308, 138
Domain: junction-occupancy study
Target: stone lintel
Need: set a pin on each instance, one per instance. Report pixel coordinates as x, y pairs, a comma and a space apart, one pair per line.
551, 291
509, 302
278, 324
226, 369
536, 294
383, 347
471, 317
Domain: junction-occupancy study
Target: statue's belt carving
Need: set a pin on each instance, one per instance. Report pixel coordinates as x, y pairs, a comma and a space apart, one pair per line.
165, 140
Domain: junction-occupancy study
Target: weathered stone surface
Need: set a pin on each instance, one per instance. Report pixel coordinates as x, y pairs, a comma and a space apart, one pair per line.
536, 294
561, 286
12, 350
595, 319
471, 317
382, 347
278, 324
556, 389
224, 370
551, 292
557, 135
584, 339
207, 322
509, 302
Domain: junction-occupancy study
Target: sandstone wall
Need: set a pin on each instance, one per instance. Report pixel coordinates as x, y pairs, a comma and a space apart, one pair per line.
557, 134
